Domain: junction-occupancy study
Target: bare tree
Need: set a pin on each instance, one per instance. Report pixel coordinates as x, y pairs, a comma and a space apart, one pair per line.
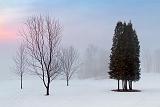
42, 35
20, 60
69, 62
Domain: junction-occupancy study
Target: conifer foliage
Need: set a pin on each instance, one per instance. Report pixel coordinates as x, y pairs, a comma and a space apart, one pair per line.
125, 53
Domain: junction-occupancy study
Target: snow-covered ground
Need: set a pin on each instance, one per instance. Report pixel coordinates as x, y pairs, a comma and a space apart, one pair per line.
80, 93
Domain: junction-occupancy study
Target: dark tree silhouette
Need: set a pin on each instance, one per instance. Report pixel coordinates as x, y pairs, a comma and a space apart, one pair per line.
115, 58
125, 53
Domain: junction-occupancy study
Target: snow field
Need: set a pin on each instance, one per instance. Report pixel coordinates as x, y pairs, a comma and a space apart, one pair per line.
80, 93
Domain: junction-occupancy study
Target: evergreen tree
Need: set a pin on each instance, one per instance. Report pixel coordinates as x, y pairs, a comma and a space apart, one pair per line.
132, 55
124, 58
115, 57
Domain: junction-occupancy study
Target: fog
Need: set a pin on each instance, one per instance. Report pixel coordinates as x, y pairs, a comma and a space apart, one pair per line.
85, 24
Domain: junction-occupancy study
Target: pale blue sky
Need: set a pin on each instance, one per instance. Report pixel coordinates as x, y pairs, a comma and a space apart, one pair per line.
93, 19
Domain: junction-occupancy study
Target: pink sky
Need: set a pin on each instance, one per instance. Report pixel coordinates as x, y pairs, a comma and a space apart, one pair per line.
7, 26
7, 32
11, 14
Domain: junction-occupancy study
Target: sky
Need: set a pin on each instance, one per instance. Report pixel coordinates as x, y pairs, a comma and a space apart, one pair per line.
84, 22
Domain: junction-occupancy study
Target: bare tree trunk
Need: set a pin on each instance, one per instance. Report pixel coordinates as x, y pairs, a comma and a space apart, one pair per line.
118, 85
130, 85
125, 85
67, 81
48, 86
47, 89
21, 82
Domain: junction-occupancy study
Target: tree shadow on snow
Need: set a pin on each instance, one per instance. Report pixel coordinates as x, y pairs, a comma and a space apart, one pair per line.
121, 90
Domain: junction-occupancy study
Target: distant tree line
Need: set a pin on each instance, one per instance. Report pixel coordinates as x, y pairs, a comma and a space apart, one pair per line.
94, 63
151, 61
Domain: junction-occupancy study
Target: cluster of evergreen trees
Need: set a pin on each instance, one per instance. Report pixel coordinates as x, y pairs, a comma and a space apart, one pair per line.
125, 53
